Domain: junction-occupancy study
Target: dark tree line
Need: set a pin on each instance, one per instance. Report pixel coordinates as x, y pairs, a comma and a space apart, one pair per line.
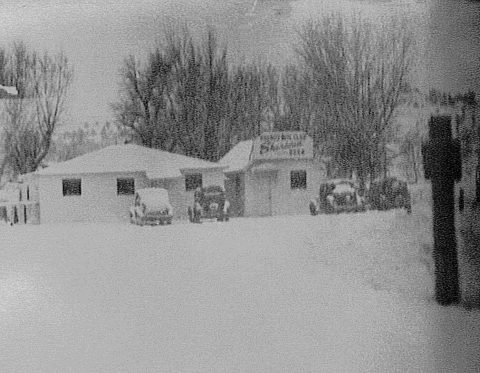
185, 98
344, 90
437, 97
356, 77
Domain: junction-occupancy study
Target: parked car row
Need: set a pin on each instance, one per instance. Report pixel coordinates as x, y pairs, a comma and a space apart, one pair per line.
336, 196
152, 206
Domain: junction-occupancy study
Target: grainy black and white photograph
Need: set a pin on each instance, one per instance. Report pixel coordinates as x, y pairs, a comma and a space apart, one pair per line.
239, 186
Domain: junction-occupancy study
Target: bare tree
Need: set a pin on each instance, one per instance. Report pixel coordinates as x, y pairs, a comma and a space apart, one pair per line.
252, 99
186, 98
160, 99
357, 74
29, 121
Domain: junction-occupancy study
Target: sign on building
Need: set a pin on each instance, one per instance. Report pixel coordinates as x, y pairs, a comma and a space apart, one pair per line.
282, 145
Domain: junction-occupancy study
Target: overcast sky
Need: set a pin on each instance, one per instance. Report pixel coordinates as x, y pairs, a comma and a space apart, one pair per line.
98, 35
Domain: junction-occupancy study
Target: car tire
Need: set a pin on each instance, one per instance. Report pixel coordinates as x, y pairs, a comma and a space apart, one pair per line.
196, 216
399, 202
329, 209
190, 214
409, 209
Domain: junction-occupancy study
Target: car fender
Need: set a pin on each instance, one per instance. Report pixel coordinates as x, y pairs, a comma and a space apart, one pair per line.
139, 212
132, 211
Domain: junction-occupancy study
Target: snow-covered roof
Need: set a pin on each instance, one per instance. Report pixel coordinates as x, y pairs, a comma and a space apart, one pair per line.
130, 158
238, 158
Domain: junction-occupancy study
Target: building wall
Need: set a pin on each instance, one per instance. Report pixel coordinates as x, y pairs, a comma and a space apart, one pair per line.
98, 200
284, 199
257, 194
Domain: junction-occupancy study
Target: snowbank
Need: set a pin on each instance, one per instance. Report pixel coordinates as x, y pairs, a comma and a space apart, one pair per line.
343, 293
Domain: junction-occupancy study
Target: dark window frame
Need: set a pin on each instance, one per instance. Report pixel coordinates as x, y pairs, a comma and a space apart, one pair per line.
193, 181
298, 179
125, 186
72, 187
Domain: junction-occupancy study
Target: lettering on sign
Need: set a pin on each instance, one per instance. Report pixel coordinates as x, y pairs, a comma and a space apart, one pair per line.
283, 145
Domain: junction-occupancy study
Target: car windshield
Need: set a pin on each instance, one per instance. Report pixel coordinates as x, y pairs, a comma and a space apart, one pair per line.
343, 188
212, 191
155, 198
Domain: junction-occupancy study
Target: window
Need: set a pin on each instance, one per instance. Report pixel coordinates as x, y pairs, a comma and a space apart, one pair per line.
72, 187
28, 193
125, 187
193, 181
298, 179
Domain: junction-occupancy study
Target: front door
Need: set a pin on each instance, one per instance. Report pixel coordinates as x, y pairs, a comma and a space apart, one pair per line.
263, 183
235, 191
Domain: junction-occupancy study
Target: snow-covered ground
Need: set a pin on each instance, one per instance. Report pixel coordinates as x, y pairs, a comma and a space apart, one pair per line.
346, 293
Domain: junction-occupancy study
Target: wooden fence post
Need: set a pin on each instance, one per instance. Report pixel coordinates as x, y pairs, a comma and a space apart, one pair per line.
442, 166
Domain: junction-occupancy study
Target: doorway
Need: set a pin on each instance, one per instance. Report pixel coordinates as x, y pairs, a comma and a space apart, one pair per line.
262, 197
235, 191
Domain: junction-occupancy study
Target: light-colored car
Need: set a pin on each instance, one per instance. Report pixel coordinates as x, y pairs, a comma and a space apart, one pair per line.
151, 206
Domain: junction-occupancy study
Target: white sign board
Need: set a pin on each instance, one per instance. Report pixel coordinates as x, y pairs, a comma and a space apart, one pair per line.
282, 145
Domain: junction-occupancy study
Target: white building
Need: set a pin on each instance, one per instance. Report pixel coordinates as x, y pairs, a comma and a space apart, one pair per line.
99, 186
274, 174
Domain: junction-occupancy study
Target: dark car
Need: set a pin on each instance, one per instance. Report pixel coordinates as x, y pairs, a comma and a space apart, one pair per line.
389, 193
337, 196
209, 203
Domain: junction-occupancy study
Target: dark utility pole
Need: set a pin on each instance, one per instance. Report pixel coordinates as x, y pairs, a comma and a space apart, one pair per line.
442, 164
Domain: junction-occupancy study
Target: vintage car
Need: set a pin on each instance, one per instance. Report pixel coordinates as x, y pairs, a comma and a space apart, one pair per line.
151, 206
209, 203
337, 196
389, 193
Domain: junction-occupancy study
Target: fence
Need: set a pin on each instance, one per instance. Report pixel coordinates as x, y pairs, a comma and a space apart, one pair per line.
20, 212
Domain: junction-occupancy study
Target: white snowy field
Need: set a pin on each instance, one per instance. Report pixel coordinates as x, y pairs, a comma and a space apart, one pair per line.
346, 293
